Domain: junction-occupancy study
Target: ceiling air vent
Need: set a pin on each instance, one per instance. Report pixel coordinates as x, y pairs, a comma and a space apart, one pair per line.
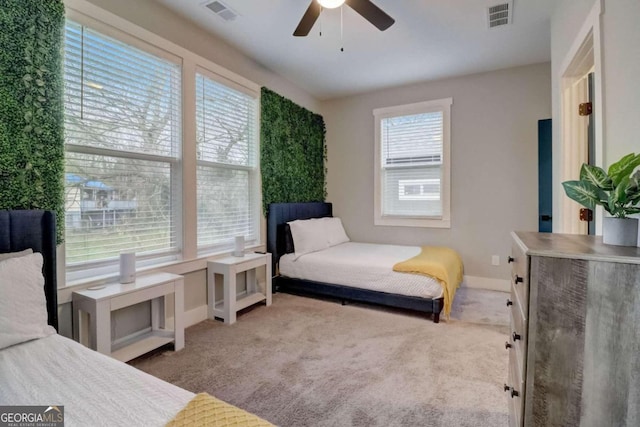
500, 14
222, 10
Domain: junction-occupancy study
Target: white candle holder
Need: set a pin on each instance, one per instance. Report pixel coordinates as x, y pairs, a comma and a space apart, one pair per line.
127, 267
239, 246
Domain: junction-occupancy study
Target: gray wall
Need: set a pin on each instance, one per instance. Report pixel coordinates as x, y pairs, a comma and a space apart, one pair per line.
493, 168
621, 68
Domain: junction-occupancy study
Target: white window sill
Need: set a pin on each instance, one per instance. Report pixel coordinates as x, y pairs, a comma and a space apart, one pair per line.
175, 267
412, 222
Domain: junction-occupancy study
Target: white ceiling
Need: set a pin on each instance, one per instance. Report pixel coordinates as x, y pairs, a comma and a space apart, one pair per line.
431, 39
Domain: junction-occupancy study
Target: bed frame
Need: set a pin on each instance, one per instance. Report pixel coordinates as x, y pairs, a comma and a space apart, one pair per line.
35, 229
281, 213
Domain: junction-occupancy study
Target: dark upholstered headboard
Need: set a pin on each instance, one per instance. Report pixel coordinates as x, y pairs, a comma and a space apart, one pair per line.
281, 213
24, 229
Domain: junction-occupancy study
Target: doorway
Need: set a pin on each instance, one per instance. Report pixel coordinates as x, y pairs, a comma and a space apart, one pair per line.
575, 150
581, 125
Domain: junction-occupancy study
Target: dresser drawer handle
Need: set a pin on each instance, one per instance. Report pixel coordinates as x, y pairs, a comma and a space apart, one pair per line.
507, 346
506, 388
510, 259
514, 393
509, 302
518, 279
516, 337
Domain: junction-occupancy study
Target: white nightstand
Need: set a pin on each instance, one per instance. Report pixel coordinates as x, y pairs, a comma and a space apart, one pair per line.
229, 267
100, 303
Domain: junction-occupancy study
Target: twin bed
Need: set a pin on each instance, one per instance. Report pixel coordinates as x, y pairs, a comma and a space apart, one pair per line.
52, 370
349, 271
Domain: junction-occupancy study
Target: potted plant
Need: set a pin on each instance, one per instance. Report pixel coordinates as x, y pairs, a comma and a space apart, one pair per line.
617, 191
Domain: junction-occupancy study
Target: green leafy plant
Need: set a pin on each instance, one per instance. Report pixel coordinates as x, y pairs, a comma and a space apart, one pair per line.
292, 152
31, 106
616, 190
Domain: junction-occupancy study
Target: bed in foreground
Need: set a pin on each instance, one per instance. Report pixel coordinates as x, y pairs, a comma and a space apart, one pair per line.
370, 273
40, 367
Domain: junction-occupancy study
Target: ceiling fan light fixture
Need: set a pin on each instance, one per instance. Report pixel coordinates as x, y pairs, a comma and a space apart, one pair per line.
331, 4
364, 8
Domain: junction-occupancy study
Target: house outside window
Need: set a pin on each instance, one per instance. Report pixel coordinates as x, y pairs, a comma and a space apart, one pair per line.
412, 158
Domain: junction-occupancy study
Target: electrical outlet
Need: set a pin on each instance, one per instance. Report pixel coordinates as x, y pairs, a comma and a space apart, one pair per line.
495, 260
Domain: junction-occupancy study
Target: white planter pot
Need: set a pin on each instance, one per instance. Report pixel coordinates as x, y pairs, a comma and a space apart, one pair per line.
620, 231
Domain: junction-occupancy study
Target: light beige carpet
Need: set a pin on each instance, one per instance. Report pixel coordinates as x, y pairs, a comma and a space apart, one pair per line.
311, 362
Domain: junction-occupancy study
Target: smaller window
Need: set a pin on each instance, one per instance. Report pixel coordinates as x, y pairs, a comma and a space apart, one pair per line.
227, 142
412, 173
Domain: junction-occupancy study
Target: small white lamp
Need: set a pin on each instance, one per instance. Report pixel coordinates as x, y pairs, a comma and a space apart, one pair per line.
239, 246
127, 267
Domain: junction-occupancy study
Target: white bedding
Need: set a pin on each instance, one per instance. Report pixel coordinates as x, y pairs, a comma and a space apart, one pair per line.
94, 389
362, 265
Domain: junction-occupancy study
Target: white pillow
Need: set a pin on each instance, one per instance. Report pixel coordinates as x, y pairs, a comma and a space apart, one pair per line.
334, 231
15, 254
308, 236
23, 306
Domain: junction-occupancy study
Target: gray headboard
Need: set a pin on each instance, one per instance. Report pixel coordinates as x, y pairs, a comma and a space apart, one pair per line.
35, 229
281, 213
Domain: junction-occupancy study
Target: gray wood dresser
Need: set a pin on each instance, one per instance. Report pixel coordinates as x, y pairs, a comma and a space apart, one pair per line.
574, 344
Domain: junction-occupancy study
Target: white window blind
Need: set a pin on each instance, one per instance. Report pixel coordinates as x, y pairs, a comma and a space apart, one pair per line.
227, 144
412, 151
412, 176
123, 142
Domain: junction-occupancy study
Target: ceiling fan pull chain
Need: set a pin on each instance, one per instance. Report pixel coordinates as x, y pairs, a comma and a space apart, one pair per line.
321, 8
342, 28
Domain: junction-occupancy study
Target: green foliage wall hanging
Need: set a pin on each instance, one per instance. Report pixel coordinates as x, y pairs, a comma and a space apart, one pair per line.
293, 152
31, 107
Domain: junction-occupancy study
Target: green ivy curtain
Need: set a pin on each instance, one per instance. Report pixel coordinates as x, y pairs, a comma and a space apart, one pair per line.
31, 107
293, 152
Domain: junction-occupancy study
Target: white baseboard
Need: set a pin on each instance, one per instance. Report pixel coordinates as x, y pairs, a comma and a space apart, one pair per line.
486, 283
193, 316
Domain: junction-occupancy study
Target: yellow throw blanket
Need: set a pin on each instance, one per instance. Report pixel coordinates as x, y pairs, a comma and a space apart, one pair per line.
442, 263
205, 410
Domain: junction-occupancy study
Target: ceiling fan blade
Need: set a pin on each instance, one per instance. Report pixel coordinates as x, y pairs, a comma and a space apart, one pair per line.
308, 19
372, 13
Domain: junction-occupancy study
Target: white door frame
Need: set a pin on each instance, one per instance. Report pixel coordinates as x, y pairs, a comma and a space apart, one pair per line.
584, 55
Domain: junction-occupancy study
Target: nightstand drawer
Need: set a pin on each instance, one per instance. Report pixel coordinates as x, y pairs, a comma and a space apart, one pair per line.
518, 307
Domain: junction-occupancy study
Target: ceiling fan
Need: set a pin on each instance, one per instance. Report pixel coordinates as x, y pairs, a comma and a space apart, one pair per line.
368, 10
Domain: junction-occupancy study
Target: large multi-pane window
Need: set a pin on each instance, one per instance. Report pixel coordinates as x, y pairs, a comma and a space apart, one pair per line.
227, 175
124, 171
412, 157
123, 143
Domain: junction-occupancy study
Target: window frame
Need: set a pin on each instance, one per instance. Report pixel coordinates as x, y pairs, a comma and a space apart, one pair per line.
189, 258
438, 105
81, 270
253, 171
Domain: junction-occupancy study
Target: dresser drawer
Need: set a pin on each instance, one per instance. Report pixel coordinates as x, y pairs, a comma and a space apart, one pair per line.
520, 274
518, 339
515, 392
518, 307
